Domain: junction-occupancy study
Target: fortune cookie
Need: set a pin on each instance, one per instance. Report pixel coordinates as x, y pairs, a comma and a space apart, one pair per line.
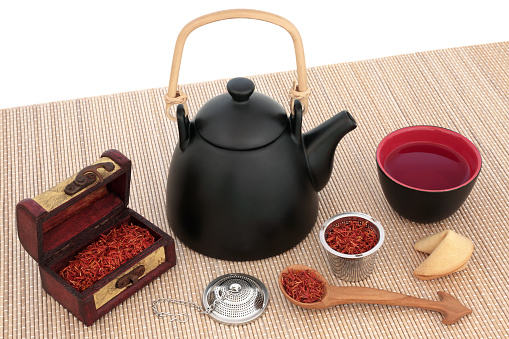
448, 253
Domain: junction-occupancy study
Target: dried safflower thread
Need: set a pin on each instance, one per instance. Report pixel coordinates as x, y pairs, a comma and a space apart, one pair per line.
303, 286
351, 236
106, 254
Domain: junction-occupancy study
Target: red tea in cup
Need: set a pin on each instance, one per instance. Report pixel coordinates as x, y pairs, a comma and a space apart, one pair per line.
427, 166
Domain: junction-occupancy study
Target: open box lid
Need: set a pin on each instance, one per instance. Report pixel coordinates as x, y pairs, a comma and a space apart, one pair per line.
75, 209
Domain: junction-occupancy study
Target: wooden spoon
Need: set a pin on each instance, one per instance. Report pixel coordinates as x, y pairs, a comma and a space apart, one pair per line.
449, 306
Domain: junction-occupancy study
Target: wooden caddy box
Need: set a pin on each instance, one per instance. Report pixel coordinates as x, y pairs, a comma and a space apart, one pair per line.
57, 224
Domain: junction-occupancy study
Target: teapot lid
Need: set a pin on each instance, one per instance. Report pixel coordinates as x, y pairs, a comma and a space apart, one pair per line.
241, 119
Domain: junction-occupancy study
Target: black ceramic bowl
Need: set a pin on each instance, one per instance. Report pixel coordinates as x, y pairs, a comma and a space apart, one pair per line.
427, 172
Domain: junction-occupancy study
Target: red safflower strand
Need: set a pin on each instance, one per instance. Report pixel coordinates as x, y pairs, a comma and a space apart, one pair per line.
106, 254
351, 237
303, 286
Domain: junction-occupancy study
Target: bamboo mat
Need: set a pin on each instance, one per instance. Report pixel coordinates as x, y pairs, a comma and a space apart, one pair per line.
464, 89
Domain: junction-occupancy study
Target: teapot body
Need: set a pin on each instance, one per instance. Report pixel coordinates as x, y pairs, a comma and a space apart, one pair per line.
243, 180
241, 204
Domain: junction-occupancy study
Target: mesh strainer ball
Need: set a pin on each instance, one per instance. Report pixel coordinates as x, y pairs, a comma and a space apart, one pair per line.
240, 298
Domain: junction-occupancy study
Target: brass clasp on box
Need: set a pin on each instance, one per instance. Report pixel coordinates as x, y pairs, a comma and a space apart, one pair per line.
131, 277
87, 177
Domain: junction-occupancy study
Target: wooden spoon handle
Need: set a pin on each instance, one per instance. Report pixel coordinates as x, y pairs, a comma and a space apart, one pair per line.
449, 306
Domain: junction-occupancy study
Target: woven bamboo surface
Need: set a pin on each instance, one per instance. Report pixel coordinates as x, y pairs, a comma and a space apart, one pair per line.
464, 89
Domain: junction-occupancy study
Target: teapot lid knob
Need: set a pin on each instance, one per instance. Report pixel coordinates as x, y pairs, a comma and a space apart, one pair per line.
240, 89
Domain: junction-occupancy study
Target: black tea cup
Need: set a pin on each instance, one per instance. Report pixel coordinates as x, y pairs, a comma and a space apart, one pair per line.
427, 172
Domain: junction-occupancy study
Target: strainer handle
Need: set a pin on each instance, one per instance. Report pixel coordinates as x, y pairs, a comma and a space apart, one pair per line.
300, 89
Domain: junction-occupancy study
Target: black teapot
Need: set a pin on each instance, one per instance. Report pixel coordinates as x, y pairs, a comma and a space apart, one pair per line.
243, 179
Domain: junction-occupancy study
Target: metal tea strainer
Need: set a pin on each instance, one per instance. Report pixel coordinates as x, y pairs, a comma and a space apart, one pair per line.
232, 299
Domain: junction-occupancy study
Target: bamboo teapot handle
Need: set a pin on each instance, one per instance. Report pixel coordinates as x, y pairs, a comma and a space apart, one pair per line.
299, 91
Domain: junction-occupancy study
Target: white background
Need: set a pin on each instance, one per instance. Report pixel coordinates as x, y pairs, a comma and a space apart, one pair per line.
59, 50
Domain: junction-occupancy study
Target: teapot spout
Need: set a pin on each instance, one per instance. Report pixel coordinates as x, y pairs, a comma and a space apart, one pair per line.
320, 144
